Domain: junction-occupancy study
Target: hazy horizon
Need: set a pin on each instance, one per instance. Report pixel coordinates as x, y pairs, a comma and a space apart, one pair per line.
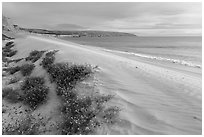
143, 19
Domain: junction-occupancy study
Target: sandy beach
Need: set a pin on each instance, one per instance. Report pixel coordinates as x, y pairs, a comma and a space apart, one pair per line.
154, 99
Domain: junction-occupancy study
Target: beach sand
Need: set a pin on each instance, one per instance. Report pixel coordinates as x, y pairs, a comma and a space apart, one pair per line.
154, 98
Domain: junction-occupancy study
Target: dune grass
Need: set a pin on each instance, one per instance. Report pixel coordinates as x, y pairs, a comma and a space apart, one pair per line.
34, 55
34, 91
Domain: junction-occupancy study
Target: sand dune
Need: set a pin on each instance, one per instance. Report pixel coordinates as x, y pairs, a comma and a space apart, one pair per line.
154, 99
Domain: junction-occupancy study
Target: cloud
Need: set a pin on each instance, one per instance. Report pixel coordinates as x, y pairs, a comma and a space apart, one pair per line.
155, 17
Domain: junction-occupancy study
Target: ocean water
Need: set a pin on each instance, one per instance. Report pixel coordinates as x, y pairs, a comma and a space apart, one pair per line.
181, 50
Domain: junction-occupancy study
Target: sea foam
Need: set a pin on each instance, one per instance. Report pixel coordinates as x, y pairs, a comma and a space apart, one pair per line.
177, 61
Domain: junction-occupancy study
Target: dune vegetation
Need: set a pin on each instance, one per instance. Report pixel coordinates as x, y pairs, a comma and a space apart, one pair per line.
34, 91
26, 69
80, 113
34, 56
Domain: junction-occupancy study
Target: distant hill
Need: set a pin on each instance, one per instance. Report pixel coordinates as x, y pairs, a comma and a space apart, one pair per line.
7, 25
78, 33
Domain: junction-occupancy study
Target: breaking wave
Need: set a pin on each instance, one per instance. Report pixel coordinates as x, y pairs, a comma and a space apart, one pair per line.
177, 61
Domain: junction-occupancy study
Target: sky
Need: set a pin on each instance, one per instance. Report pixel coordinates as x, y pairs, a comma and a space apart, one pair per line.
143, 19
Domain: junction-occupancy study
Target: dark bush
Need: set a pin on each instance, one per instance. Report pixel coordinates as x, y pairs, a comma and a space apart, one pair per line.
51, 53
15, 60
27, 69
9, 54
32, 82
66, 75
11, 95
34, 55
49, 59
12, 70
6, 50
80, 114
34, 91
77, 116
35, 96
9, 43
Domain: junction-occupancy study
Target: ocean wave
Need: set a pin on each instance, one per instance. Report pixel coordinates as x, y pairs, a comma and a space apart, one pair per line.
177, 61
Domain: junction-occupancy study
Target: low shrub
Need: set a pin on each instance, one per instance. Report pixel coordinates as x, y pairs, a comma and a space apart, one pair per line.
9, 54
31, 82
77, 116
6, 50
27, 69
34, 55
15, 60
11, 95
84, 115
51, 53
35, 96
9, 43
48, 59
12, 70
34, 91
66, 75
